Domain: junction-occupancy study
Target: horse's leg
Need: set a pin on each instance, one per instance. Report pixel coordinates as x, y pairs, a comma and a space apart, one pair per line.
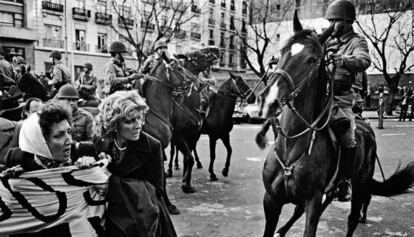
197, 158
272, 209
212, 141
172, 209
176, 160
357, 201
313, 213
329, 198
188, 166
172, 151
365, 208
299, 210
226, 142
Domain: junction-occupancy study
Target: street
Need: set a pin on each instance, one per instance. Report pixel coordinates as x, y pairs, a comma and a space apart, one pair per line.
232, 206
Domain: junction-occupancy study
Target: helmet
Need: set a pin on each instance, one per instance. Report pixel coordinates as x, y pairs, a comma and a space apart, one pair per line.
160, 44
56, 54
341, 9
117, 47
88, 65
67, 92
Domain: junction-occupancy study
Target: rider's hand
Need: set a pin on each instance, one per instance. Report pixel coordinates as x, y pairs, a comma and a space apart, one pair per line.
338, 60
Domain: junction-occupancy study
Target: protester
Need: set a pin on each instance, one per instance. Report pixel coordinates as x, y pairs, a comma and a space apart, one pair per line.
135, 204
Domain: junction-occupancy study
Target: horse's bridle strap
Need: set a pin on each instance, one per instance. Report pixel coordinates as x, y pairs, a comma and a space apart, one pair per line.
285, 75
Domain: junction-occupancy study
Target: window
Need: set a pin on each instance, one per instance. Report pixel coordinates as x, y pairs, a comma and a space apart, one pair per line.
102, 42
223, 3
211, 34
80, 43
79, 3
244, 9
13, 52
232, 7
78, 71
125, 11
11, 19
232, 23
53, 32
195, 27
231, 56
101, 7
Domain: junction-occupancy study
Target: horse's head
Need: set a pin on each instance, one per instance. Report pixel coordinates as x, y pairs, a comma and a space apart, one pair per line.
200, 60
237, 87
298, 64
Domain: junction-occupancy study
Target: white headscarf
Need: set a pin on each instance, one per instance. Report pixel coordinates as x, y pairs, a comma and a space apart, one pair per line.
31, 138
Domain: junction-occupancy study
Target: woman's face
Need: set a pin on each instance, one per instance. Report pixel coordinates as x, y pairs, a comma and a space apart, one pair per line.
130, 128
60, 140
35, 106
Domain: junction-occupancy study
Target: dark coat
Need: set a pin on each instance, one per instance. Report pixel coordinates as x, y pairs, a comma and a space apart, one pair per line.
135, 204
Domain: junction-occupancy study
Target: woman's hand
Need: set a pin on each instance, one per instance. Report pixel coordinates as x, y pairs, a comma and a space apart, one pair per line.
103, 155
13, 172
85, 161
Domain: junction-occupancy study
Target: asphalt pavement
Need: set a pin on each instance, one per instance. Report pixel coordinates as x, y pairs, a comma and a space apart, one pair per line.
232, 206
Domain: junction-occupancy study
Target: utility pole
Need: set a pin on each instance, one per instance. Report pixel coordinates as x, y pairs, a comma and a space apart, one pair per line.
66, 35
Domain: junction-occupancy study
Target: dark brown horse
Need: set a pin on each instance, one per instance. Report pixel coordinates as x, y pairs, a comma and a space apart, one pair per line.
300, 166
31, 85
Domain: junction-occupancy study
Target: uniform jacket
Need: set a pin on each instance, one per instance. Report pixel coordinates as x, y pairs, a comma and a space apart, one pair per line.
354, 48
60, 75
88, 81
9, 136
7, 75
82, 125
115, 77
150, 63
135, 205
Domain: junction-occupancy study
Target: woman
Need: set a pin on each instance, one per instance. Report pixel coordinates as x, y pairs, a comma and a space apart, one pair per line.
32, 105
45, 143
135, 204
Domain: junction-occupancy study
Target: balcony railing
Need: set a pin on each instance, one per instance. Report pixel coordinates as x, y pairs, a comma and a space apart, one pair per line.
211, 42
195, 36
126, 23
52, 6
54, 43
180, 34
223, 26
211, 22
147, 26
103, 18
81, 46
101, 49
81, 14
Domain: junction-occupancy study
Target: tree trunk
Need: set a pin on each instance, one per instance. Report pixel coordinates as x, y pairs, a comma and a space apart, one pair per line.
390, 101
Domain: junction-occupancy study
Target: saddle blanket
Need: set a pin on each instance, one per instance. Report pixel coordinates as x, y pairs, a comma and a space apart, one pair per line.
46, 198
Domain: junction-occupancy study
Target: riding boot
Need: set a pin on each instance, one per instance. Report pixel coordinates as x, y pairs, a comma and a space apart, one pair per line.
344, 186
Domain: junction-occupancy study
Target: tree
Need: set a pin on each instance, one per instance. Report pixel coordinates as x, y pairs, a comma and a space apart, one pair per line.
388, 28
137, 19
255, 44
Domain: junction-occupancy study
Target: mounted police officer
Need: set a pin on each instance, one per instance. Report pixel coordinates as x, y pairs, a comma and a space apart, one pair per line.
60, 73
87, 83
160, 49
116, 78
350, 55
7, 75
82, 121
209, 92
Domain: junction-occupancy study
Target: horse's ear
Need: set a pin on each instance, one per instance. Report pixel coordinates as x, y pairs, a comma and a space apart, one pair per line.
232, 75
29, 68
326, 33
297, 26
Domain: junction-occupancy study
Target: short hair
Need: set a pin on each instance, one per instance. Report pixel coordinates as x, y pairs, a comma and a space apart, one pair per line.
116, 108
26, 107
54, 111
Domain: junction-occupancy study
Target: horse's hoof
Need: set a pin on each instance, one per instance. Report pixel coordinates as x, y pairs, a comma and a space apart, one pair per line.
188, 189
177, 167
173, 210
225, 172
199, 166
213, 177
169, 174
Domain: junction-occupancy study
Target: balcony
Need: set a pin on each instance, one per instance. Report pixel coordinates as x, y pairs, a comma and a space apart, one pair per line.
195, 10
211, 22
212, 1
232, 8
103, 18
101, 49
147, 26
81, 46
53, 7
232, 28
53, 43
81, 14
211, 42
126, 22
181, 34
223, 25
195, 36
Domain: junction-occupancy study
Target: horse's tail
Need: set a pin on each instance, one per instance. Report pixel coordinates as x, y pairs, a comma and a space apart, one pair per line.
261, 139
398, 183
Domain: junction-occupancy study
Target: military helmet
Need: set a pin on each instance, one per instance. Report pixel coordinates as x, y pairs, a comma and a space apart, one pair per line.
160, 44
56, 54
341, 9
67, 92
88, 65
117, 47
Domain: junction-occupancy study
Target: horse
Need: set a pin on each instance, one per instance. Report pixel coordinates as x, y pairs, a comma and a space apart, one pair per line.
301, 166
31, 85
187, 119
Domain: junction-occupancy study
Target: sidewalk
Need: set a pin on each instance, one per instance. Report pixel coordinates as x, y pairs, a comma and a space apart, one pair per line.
374, 115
